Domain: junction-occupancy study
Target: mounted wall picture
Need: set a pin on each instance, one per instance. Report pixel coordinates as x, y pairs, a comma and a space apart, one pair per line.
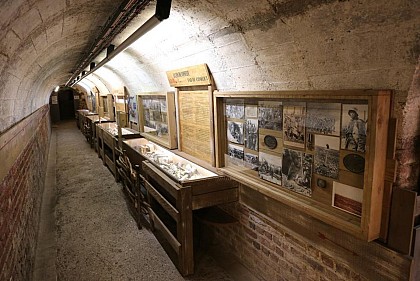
270, 167
132, 109
251, 134
236, 151
353, 127
294, 126
251, 160
251, 111
297, 171
270, 115
327, 156
235, 132
347, 198
323, 118
235, 109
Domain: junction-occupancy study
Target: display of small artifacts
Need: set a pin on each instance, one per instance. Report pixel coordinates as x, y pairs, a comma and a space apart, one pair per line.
236, 151
323, 118
235, 109
347, 198
297, 171
177, 167
270, 167
353, 127
251, 111
251, 160
251, 134
235, 132
327, 156
270, 115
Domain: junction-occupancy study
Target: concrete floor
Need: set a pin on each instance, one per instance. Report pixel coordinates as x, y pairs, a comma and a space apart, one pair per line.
87, 233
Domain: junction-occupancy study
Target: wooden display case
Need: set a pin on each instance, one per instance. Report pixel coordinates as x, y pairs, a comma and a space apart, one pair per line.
89, 127
176, 188
81, 119
157, 117
107, 139
321, 152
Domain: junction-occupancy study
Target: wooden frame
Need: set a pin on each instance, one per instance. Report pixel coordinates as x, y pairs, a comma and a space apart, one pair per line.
366, 227
168, 140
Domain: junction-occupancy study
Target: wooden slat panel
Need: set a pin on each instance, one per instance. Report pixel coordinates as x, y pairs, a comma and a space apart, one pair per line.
402, 220
215, 198
211, 185
163, 180
370, 259
171, 210
386, 210
165, 232
391, 170
415, 269
418, 206
185, 233
392, 138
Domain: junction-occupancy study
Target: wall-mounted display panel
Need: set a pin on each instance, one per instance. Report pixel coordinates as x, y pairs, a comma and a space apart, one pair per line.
157, 117
321, 152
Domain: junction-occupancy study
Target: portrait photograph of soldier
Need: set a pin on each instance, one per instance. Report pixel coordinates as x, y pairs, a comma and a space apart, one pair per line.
353, 128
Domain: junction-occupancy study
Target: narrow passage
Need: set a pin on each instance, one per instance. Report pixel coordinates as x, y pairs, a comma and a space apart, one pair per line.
97, 239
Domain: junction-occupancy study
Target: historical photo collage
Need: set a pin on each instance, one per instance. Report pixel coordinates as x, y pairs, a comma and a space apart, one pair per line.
288, 142
155, 115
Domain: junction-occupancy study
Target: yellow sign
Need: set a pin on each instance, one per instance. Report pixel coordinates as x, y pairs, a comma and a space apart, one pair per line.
197, 75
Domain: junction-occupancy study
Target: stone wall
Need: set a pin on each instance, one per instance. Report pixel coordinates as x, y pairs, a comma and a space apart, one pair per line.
20, 197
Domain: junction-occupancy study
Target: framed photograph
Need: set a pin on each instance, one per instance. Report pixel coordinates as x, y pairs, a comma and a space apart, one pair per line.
270, 167
347, 198
251, 111
294, 126
236, 151
235, 109
297, 171
323, 118
270, 115
251, 161
327, 156
353, 127
251, 134
132, 109
235, 132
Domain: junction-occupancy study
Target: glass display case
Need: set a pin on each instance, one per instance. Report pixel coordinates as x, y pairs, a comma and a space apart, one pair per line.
176, 188
157, 117
89, 125
107, 140
313, 150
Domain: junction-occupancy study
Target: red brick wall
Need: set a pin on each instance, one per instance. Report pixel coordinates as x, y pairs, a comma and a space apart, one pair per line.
273, 253
20, 198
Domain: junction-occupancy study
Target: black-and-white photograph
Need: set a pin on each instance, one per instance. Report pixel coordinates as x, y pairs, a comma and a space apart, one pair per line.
270, 115
236, 151
323, 118
235, 132
353, 127
155, 115
150, 124
161, 129
132, 109
294, 126
251, 111
252, 161
251, 134
235, 109
163, 107
270, 167
297, 171
327, 156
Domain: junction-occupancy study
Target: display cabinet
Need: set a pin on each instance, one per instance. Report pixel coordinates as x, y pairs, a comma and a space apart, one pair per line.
89, 127
157, 121
81, 115
321, 152
177, 188
107, 139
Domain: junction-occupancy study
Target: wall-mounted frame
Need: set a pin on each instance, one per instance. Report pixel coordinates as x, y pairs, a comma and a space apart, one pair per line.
318, 151
157, 117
